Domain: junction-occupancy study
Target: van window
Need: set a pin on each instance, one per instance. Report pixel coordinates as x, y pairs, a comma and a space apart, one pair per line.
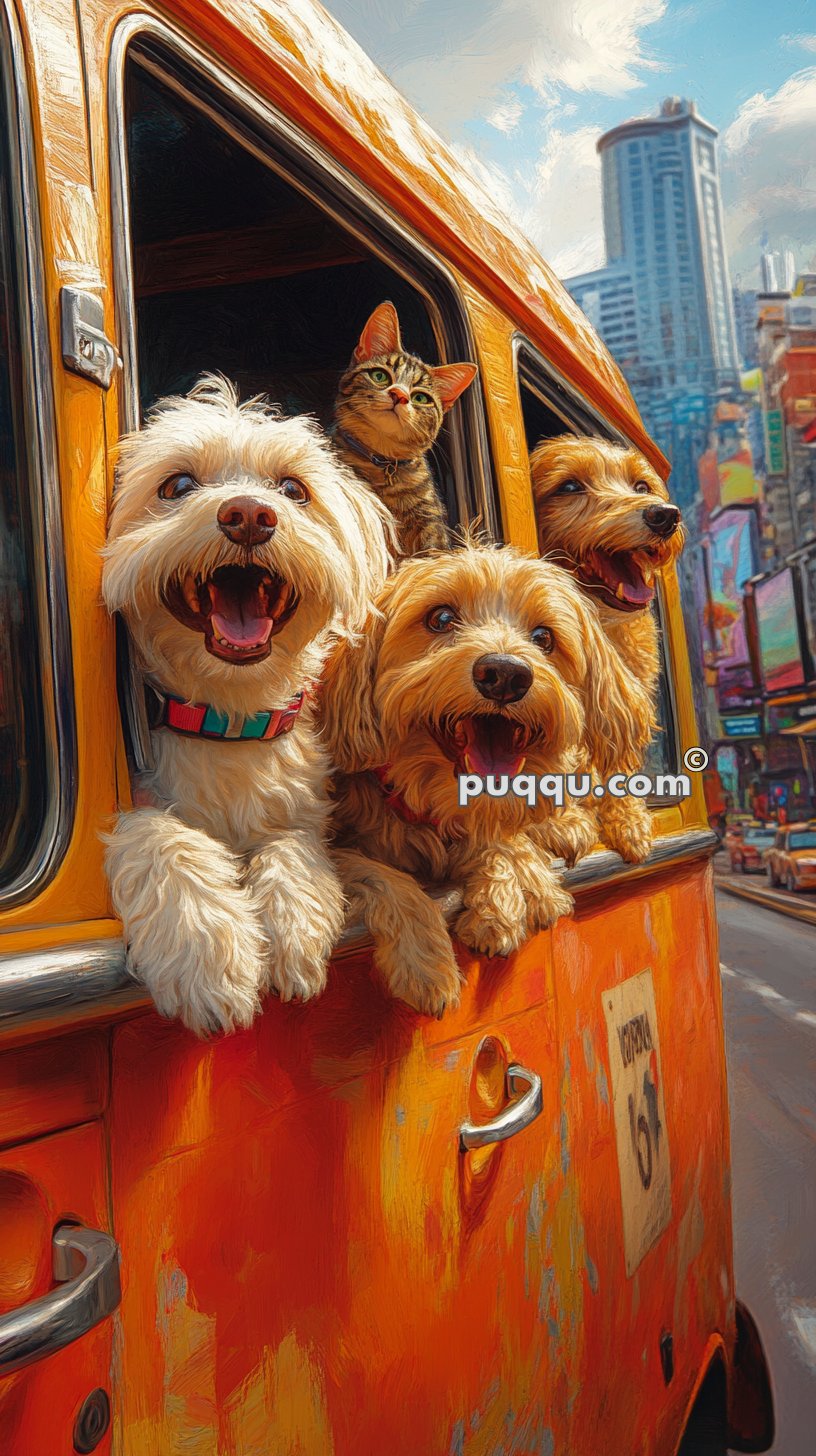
236, 268
23, 760
550, 408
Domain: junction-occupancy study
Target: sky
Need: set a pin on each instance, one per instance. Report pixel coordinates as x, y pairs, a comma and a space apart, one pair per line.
522, 89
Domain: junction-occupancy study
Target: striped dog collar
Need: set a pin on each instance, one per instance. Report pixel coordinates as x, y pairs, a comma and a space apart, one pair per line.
200, 720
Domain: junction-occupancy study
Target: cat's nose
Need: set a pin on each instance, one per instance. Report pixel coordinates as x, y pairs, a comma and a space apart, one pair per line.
245, 521
398, 395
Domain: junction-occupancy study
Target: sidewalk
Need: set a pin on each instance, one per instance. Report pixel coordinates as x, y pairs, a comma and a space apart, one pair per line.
755, 887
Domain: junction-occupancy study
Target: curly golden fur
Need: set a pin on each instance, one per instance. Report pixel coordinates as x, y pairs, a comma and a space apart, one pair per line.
603, 513
406, 696
222, 878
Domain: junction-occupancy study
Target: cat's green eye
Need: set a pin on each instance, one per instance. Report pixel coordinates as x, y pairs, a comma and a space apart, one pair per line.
379, 376
420, 397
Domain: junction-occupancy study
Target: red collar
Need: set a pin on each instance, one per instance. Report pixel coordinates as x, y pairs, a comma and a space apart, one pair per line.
395, 801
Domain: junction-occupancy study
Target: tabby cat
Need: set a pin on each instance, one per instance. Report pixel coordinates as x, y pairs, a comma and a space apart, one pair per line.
388, 413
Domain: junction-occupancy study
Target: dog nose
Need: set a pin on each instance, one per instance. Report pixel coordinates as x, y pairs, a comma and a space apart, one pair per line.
245, 521
398, 395
663, 520
500, 678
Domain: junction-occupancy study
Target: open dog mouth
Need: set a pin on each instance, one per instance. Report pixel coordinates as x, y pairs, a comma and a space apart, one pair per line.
238, 608
621, 579
484, 743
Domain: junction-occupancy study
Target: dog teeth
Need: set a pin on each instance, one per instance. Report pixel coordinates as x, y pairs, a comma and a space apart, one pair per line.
620, 594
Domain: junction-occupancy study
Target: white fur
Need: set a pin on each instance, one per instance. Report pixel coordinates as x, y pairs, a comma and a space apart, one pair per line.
224, 886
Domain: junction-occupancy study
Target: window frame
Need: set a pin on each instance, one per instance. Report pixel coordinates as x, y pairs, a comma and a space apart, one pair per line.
534, 371
48, 570
268, 134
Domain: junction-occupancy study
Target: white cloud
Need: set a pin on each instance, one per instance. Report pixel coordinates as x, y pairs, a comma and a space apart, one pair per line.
801, 42
507, 116
456, 61
769, 173
563, 214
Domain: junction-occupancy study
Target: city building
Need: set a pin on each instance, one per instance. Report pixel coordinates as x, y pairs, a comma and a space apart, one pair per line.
777, 271
745, 322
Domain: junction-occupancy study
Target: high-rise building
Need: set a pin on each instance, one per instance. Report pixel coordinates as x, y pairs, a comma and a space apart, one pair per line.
777, 271
745, 321
663, 219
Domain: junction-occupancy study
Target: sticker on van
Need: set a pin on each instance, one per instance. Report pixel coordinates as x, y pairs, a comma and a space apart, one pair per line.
640, 1114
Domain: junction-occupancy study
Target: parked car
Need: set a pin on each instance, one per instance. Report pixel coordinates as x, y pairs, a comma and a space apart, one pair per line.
746, 853
734, 830
791, 859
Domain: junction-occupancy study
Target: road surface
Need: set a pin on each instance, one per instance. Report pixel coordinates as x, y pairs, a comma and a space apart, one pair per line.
769, 994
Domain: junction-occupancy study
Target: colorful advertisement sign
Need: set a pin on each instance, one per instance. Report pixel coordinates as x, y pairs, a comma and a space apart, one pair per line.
745, 725
735, 464
778, 624
775, 442
732, 561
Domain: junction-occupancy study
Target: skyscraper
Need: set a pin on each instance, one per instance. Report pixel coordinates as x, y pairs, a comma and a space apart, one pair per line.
663, 220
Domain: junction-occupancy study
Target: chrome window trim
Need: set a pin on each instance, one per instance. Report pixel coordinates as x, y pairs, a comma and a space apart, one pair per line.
56, 668
90, 981
586, 414
350, 198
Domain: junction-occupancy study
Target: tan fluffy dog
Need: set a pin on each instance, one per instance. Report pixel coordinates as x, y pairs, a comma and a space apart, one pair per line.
604, 513
483, 661
238, 547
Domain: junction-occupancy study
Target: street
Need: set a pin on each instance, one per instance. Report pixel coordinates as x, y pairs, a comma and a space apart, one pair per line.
769, 992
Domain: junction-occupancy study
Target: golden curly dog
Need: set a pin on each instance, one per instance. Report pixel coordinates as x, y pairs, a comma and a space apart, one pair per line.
480, 660
604, 514
238, 548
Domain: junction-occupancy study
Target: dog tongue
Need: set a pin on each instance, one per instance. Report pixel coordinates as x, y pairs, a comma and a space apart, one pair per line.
491, 745
622, 575
239, 613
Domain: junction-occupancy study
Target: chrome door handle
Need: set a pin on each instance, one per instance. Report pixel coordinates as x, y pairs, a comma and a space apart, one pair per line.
86, 1266
518, 1115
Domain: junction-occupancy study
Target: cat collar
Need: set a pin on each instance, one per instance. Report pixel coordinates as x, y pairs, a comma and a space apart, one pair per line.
201, 720
382, 462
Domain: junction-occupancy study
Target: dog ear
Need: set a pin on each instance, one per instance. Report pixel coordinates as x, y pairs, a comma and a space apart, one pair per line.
619, 710
349, 719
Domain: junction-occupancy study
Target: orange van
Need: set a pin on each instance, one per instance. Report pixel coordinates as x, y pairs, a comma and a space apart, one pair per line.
349, 1230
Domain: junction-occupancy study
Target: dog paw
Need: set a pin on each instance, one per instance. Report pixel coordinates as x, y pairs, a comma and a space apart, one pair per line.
300, 907
208, 978
568, 835
548, 905
431, 983
487, 935
628, 830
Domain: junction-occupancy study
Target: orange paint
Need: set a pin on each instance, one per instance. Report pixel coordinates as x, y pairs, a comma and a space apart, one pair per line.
309, 1262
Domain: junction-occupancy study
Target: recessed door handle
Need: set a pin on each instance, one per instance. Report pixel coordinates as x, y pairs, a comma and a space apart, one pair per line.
514, 1118
86, 1268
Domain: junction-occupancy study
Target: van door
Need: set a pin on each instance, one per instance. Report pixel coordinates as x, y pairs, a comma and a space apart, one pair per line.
337, 1227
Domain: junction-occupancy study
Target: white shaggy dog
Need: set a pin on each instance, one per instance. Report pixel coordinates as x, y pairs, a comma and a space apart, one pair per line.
238, 548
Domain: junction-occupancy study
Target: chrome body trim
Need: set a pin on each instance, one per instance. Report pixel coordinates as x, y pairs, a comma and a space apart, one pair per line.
90, 980
56, 672
515, 1117
86, 1267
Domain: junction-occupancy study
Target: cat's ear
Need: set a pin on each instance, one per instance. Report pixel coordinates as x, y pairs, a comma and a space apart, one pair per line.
451, 380
381, 334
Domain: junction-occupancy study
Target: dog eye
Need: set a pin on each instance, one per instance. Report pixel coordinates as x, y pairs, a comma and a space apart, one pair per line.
642, 487
570, 487
543, 638
441, 619
175, 486
420, 397
379, 376
293, 489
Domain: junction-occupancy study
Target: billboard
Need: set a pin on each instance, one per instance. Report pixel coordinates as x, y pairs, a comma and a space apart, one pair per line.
732, 560
780, 648
775, 441
735, 464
